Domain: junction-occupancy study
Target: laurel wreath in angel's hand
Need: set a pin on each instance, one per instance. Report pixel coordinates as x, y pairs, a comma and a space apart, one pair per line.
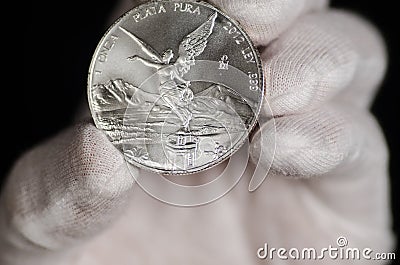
191, 47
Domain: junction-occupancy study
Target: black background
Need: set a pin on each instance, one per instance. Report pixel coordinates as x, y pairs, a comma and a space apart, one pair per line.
62, 36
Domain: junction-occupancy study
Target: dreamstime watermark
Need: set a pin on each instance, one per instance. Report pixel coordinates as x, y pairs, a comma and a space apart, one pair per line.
340, 251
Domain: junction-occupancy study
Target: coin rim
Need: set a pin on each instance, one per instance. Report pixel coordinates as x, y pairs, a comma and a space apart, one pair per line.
239, 144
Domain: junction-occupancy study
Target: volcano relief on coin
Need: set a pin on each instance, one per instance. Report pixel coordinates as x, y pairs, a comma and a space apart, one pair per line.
176, 85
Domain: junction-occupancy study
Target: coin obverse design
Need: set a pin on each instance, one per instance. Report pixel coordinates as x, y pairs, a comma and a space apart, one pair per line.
177, 86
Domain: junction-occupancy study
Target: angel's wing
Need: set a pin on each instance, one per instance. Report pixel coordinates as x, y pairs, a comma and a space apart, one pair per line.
150, 52
195, 43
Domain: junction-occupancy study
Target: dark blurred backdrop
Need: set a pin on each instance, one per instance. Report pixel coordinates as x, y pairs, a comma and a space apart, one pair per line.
60, 38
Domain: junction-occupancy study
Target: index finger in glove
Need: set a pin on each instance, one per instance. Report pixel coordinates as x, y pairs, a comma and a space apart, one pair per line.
324, 56
265, 20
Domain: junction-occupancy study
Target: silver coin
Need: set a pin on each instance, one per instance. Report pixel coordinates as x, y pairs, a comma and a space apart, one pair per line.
176, 85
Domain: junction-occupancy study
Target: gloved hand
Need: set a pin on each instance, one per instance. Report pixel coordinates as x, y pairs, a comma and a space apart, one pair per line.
71, 200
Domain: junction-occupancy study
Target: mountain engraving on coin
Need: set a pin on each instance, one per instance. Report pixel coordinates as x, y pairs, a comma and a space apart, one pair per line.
176, 91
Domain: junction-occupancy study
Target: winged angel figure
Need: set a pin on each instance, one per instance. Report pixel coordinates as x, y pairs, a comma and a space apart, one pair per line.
174, 89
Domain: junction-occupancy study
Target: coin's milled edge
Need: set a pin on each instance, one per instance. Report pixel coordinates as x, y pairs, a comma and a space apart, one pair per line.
245, 35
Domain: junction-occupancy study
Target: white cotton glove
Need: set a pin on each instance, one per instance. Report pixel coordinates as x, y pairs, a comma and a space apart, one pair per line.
70, 200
